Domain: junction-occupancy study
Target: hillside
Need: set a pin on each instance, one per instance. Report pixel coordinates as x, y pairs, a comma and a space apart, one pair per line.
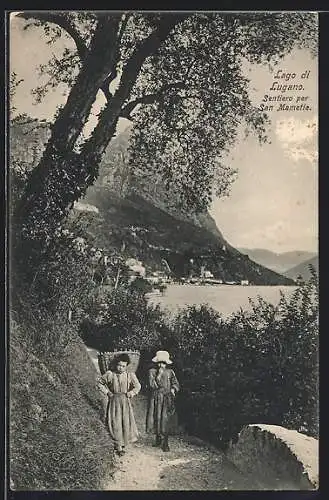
279, 262
154, 227
150, 234
303, 269
58, 440
116, 175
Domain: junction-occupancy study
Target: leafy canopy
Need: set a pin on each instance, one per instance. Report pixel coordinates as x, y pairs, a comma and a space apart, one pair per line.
188, 95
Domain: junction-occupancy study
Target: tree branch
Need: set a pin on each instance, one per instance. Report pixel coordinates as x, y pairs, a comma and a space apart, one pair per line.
112, 76
149, 98
82, 49
146, 48
64, 23
104, 130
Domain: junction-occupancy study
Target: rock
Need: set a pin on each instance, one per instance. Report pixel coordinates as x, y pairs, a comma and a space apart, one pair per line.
279, 458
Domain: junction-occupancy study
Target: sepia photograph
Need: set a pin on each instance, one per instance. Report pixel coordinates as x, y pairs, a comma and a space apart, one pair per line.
163, 250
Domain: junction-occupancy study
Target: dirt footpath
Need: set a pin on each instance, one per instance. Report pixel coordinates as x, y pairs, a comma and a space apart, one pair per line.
190, 464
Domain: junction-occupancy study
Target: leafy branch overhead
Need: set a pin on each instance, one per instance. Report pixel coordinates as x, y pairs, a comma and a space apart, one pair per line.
179, 78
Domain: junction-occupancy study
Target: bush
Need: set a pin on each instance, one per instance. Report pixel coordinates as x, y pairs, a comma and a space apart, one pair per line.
257, 366
141, 285
121, 319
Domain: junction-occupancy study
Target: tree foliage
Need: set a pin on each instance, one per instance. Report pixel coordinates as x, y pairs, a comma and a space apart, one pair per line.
178, 76
122, 318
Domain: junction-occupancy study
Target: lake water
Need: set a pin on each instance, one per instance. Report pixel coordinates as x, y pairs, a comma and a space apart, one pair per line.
225, 299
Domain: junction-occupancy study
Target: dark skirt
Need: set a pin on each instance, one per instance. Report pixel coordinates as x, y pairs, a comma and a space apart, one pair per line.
161, 413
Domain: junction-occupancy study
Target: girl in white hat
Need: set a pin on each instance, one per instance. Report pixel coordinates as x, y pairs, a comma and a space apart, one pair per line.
163, 386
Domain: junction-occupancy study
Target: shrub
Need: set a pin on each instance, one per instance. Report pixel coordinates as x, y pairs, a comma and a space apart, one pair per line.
141, 285
256, 366
121, 318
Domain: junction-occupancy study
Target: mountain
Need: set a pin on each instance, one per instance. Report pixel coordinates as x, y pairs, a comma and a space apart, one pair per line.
123, 207
116, 175
303, 269
151, 234
279, 262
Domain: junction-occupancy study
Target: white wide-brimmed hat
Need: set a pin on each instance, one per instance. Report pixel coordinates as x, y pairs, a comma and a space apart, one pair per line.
162, 357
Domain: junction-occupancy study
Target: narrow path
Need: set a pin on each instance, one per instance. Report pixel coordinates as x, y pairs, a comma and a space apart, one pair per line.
188, 466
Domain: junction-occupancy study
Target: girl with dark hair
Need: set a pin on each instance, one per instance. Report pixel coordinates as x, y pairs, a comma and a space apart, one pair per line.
163, 386
120, 386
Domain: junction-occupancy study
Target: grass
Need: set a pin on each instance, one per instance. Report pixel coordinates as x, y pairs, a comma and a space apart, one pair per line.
58, 440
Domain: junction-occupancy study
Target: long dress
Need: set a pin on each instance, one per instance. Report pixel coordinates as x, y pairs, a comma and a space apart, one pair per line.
119, 415
161, 404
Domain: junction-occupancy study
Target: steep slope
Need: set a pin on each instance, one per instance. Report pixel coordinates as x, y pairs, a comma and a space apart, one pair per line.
57, 436
116, 175
279, 262
150, 234
303, 269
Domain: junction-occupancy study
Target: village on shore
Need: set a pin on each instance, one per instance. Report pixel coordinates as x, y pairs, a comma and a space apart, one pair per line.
158, 278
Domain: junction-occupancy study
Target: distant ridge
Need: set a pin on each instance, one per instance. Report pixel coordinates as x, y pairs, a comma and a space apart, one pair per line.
279, 262
303, 269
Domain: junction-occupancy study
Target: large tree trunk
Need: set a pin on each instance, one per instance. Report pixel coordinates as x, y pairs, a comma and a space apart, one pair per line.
44, 202
63, 175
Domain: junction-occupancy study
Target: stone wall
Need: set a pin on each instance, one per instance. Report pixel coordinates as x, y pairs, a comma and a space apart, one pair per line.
278, 458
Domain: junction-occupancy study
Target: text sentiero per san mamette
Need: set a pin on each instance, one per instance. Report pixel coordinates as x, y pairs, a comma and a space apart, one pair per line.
282, 84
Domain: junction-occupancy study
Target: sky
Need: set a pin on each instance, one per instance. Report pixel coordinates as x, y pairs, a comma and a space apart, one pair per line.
273, 204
